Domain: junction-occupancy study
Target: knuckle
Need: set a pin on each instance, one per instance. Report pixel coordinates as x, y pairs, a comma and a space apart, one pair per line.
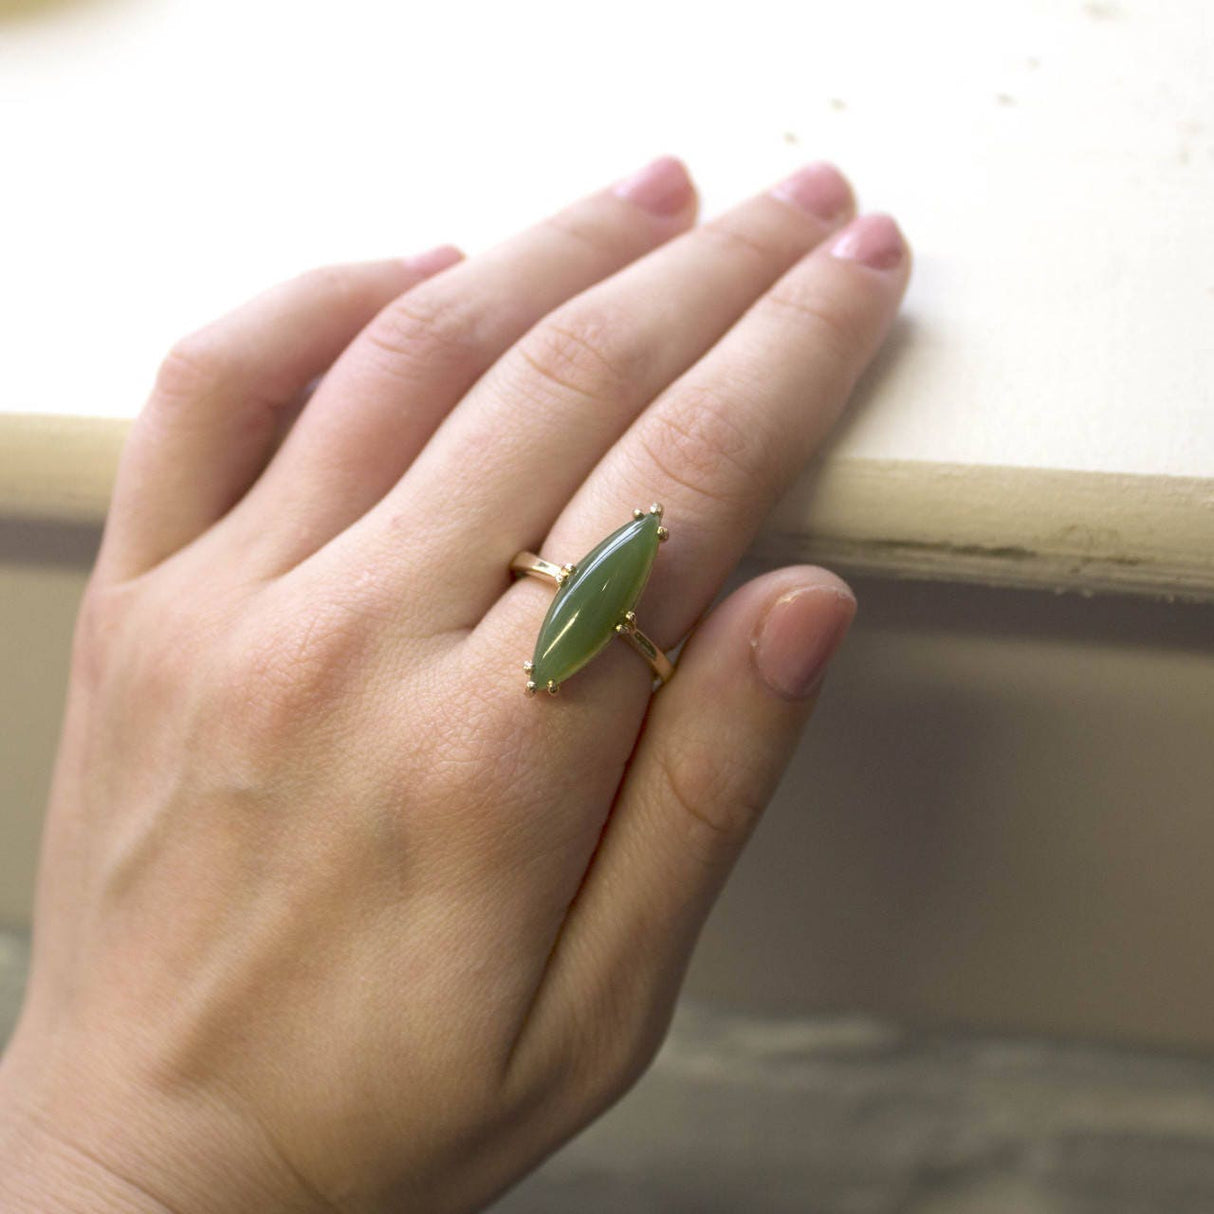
331, 281
100, 622
479, 760
833, 326
422, 328
628, 1045
339, 284
583, 352
603, 1072
608, 1040
490, 763
737, 239
697, 439
713, 795
196, 366
138, 655
279, 683
582, 230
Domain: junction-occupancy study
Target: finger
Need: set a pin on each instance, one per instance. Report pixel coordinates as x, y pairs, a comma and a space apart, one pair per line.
215, 413
568, 389
715, 744
726, 439
717, 448
395, 384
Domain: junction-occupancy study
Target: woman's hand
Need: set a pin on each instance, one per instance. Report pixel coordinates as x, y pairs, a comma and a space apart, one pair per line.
330, 915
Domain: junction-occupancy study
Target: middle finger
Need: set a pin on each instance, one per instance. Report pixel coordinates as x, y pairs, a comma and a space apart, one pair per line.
543, 416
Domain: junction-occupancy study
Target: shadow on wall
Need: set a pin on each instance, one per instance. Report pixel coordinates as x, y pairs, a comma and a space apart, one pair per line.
38, 544
1000, 818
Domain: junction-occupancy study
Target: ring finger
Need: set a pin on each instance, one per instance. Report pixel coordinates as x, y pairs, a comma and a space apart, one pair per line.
725, 439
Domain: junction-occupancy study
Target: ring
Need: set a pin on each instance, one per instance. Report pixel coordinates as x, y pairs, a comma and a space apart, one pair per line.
594, 601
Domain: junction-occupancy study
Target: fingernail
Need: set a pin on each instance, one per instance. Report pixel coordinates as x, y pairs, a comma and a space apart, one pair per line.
819, 189
872, 240
799, 634
661, 188
434, 260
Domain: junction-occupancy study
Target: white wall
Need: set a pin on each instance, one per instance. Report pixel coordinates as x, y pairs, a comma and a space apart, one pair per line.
1052, 162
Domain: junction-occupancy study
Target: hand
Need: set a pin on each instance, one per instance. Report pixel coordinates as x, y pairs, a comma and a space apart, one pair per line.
330, 915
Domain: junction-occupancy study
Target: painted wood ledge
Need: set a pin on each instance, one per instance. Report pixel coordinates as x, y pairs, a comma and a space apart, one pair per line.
1011, 526
1005, 526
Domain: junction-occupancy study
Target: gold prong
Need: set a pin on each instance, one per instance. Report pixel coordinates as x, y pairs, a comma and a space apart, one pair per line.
663, 534
567, 571
531, 688
552, 688
528, 667
621, 629
656, 508
638, 513
630, 618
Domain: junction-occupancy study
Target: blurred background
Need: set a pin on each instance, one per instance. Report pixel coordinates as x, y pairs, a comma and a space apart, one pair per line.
968, 962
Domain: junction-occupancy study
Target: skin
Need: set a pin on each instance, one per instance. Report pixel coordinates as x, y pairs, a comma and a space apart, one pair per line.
331, 917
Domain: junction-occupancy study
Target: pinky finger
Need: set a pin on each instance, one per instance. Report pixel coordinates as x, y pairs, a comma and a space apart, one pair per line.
222, 395
714, 746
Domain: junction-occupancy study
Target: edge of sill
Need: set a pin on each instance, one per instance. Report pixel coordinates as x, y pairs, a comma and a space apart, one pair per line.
1091, 532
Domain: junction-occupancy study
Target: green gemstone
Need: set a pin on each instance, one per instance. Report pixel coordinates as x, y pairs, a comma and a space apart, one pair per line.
585, 611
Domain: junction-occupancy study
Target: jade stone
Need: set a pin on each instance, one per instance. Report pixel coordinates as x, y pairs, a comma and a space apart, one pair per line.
585, 611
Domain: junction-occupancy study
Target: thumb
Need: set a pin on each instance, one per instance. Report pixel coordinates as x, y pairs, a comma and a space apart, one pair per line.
715, 743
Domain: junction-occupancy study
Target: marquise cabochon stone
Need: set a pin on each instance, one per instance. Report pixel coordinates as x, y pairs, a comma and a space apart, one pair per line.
585, 610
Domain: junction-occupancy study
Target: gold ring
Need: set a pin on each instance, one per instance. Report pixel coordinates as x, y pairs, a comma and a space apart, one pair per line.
594, 601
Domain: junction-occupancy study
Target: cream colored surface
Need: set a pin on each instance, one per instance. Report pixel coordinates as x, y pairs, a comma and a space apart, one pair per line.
1052, 162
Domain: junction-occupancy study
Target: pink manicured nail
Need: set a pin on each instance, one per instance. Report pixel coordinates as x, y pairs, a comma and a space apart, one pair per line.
798, 636
819, 189
872, 240
661, 188
434, 260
